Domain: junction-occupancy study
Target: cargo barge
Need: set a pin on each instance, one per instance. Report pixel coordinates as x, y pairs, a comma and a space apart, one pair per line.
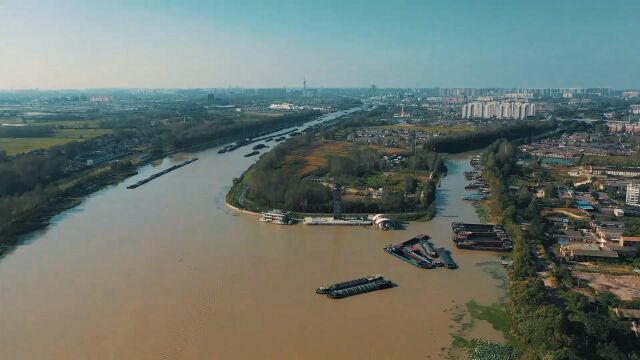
428, 248
407, 251
481, 237
355, 287
361, 289
447, 260
347, 284
163, 172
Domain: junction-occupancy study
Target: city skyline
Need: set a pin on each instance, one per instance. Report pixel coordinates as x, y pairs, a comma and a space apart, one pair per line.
72, 44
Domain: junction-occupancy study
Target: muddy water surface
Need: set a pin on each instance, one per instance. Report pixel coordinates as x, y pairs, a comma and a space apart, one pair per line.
167, 271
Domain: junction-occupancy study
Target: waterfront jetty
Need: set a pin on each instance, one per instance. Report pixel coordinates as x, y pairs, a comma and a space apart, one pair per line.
163, 172
329, 220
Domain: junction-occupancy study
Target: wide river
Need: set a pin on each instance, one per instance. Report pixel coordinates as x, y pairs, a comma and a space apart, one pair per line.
167, 271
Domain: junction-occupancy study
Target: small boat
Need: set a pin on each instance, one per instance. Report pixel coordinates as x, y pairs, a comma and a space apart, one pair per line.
347, 284
252, 153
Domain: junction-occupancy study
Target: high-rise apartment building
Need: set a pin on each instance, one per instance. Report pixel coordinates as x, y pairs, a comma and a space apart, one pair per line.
499, 110
633, 194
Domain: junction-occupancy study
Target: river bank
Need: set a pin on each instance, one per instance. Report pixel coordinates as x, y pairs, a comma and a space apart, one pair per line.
169, 270
40, 216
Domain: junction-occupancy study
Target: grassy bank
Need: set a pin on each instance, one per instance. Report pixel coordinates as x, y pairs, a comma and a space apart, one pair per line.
13, 146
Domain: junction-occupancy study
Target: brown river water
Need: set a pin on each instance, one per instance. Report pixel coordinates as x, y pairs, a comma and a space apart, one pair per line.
167, 271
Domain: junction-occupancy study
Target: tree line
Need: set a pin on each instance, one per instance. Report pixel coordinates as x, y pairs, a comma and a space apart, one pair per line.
276, 185
562, 326
455, 143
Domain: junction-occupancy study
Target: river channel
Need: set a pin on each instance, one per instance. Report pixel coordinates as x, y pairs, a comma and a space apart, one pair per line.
168, 271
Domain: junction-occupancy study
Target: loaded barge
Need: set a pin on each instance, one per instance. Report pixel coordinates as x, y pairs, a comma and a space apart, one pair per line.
355, 287
157, 175
419, 251
447, 260
347, 284
481, 237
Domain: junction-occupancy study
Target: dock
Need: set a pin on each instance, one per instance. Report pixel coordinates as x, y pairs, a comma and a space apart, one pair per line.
163, 172
328, 220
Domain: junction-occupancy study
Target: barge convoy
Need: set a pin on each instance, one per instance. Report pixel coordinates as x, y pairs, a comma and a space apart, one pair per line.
481, 237
420, 252
355, 287
163, 172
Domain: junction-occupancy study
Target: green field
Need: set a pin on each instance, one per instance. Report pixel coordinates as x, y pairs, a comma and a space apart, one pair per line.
14, 146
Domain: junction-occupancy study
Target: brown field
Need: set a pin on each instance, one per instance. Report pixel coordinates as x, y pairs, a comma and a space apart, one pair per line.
306, 159
626, 287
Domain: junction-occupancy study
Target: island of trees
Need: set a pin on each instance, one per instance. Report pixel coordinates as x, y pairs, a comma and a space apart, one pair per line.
396, 177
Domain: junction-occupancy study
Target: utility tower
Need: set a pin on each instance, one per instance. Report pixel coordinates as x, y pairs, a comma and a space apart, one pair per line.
337, 202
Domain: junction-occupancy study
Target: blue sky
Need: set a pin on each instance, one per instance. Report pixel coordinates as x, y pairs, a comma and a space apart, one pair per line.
253, 43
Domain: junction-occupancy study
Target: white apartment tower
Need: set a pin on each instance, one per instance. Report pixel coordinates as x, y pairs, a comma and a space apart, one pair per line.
499, 110
633, 194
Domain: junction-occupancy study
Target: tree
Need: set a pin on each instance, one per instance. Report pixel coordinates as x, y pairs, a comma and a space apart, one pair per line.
411, 183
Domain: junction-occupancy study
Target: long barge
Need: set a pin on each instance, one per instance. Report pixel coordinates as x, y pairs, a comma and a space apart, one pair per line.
360, 289
347, 284
163, 172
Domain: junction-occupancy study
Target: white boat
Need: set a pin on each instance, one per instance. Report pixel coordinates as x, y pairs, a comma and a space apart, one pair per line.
275, 216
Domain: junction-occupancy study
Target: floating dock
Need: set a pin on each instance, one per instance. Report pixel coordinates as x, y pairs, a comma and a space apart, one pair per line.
328, 220
163, 172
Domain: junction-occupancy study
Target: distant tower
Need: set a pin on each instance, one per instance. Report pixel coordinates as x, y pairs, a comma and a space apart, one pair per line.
304, 87
337, 202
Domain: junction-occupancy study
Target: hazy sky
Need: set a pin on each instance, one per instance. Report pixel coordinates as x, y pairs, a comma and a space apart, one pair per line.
334, 43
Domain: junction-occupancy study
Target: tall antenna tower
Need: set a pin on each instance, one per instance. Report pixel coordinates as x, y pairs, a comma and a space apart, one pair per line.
337, 202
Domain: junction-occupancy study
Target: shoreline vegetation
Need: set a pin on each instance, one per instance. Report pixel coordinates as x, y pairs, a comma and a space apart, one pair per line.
35, 188
543, 322
299, 174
